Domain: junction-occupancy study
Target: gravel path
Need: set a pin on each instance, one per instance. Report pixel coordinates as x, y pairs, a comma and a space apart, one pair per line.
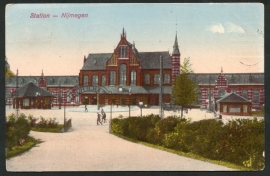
88, 147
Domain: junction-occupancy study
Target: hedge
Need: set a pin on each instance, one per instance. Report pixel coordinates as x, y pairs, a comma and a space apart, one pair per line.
239, 141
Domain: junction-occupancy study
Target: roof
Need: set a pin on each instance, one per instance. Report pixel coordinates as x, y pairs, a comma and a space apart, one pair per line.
175, 46
156, 89
96, 61
232, 78
52, 81
232, 98
151, 60
127, 89
32, 90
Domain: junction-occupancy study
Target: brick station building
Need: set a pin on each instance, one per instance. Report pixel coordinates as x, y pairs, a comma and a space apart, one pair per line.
127, 76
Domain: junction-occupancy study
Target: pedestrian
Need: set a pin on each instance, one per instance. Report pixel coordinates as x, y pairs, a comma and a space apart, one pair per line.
98, 119
85, 108
104, 117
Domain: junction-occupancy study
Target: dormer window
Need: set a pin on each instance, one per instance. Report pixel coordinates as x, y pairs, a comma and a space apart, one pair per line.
51, 80
123, 52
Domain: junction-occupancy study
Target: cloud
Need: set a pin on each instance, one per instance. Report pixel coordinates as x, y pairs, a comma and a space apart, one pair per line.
217, 28
230, 27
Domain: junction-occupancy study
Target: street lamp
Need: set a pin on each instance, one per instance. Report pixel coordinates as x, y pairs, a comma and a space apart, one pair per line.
141, 106
110, 128
64, 116
129, 93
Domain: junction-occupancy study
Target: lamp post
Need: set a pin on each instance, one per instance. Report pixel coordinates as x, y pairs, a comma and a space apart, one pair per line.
64, 116
129, 93
110, 128
141, 106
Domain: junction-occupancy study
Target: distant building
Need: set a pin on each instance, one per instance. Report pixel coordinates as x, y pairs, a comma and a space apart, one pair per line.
30, 96
233, 104
127, 76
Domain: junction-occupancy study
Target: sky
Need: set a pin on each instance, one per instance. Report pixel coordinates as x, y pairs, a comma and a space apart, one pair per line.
213, 36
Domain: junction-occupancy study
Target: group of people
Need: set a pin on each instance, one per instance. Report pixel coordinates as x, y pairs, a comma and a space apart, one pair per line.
101, 117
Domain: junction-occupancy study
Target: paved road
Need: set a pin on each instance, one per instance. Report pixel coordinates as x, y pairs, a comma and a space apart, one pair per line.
88, 147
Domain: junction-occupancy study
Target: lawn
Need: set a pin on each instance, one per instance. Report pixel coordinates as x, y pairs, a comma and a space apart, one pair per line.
18, 150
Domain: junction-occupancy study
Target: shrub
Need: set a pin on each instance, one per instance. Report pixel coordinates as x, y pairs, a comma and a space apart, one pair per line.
17, 129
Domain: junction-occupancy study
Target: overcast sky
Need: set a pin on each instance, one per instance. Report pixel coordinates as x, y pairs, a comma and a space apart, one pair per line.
211, 35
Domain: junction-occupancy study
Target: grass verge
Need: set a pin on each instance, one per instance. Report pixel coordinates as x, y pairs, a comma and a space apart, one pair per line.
50, 130
189, 155
18, 150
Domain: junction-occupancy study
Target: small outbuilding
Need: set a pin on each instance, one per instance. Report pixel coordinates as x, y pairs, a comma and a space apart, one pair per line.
233, 104
30, 96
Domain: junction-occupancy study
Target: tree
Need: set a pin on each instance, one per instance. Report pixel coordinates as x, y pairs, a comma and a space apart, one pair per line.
185, 90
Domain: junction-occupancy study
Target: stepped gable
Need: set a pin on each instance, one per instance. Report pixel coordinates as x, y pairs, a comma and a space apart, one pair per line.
221, 81
232, 97
32, 90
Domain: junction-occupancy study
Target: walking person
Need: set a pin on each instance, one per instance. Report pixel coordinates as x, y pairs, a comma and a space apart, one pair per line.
98, 119
85, 108
103, 114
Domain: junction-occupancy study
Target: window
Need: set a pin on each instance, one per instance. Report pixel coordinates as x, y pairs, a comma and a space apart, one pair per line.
245, 94
112, 77
245, 108
69, 96
225, 108
122, 76
156, 79
25, 102
221, 92
146, 79
123, 52
166, 79
85, 80
103, 80
133, 77
256, 98
199, 96
59, 99
77, 99
95, 80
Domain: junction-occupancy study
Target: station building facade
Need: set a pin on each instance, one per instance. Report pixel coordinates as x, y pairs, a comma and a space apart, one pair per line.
127, 77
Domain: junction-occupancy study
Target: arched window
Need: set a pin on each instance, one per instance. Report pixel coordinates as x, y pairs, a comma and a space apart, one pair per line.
59, 96
112, 77
146, 79
166, 79
156, 79
133, 77
69, 96
85, 80
95, 80
123, 52
256, 96
245, 94
122, 75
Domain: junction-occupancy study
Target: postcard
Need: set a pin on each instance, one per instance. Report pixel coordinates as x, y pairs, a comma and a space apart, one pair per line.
134, 87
